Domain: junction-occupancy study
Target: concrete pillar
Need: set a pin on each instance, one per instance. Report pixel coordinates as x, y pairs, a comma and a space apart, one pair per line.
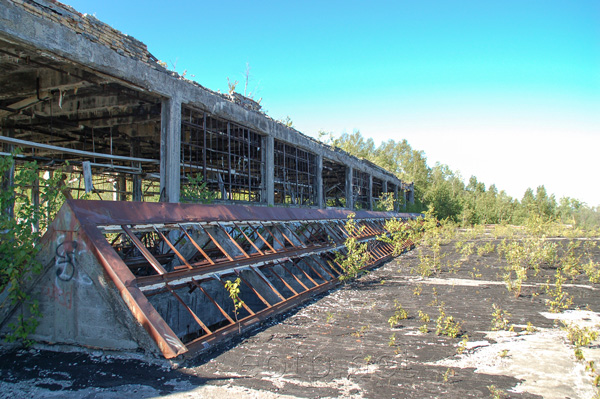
320, 198
8, 179
349, 188
384, 186
396, 198
136, 180
269, 171
371, 192
170, 149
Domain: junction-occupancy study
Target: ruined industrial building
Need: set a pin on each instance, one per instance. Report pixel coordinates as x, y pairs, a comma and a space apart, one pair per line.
127, 266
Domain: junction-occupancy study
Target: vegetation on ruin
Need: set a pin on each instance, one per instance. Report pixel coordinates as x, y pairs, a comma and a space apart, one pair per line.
22, 224
233, 288
356, 256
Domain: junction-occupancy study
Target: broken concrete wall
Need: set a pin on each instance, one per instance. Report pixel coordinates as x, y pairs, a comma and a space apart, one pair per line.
89, 27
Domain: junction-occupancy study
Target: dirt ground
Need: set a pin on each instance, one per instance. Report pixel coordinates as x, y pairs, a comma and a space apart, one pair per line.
342, 345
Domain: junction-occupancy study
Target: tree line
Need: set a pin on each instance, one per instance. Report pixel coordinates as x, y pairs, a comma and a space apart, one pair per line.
468, 203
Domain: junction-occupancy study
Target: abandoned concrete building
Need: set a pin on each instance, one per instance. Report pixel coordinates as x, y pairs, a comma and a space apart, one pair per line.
143, 274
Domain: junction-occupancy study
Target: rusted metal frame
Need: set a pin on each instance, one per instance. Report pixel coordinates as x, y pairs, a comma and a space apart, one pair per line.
325, 231
282, 264
315, 270
114, 213
143, 311
272, 235
363, 230
220, 267
218, 278
295, 263
364, 226
345, 232
313, 230
262, 238
377, 250
151, 259
377, 228
238, 246
317, 260
389, 247
195, 244
271, 267
334, 265
190, 311
234, 233
289, 227
285, 237
380, 223
266, 280
216, 243
237, 272
376, 225
223, 312
249, 240
329, 261
185, 262
331, 232
199, 344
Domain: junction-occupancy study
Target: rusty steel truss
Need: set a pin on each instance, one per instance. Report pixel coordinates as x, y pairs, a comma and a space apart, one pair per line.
170, 262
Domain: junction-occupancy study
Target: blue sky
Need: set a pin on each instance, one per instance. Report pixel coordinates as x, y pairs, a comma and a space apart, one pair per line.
506, 91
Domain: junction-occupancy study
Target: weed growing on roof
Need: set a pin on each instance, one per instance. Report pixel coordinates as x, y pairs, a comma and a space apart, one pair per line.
446, 325
486, 249
559, 300
399, 314
496, 393
500, 319
462, 345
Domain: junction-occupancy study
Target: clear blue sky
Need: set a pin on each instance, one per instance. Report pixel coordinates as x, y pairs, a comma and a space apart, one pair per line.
508, 91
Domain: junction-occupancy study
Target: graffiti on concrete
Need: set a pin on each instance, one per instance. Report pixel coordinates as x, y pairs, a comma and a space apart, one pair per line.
65, 262
66, 273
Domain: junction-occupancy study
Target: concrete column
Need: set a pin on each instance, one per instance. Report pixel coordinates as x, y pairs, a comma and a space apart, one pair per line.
319, 182
136, 180
122, 188
384, 186
371, 192
396, 198
349, 190
170, 149
8, 179
269, 171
